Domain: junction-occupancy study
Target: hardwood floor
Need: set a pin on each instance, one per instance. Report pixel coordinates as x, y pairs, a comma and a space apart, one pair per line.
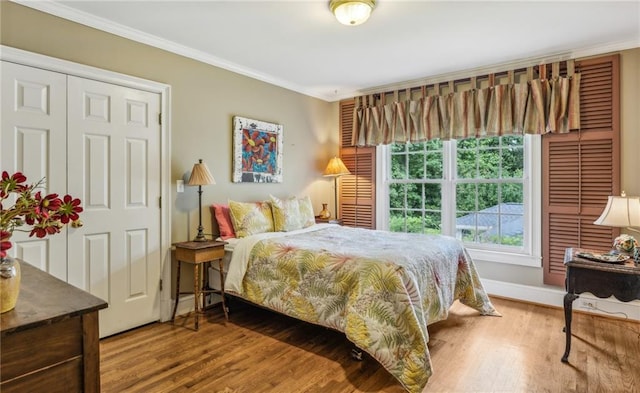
260, 351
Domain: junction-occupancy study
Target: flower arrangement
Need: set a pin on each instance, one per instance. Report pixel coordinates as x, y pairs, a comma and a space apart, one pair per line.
625, 243
45, 214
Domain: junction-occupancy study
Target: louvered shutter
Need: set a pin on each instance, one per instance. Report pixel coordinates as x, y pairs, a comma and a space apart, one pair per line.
581, 169
358, 190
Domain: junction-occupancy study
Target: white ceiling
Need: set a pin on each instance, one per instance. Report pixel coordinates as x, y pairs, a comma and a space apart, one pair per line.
298, 44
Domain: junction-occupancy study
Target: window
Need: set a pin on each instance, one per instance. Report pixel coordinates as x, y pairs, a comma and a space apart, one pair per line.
478, 190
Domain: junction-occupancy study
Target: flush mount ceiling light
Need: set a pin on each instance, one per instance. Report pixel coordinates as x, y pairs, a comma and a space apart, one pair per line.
352, 12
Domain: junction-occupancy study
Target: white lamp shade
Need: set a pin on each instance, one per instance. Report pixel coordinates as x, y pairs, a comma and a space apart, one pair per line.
621, 211
352, 13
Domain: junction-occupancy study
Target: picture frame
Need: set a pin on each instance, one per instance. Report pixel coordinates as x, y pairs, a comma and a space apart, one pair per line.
257, 151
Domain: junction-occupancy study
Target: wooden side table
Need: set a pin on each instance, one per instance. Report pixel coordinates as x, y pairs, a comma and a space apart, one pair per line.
601, 279
197, 254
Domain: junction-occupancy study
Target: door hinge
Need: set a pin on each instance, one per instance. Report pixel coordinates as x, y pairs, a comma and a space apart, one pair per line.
160, 284
160, 202
160, 118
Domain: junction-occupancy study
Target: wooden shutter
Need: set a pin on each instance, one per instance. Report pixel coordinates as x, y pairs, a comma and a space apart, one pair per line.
581, 169
358, 190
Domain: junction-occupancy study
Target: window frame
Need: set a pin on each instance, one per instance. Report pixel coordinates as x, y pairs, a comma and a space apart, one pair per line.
529, 254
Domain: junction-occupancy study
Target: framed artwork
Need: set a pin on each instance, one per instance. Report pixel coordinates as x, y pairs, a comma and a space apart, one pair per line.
257, 151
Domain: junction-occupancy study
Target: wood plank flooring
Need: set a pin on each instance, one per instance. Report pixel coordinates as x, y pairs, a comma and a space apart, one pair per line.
261, 351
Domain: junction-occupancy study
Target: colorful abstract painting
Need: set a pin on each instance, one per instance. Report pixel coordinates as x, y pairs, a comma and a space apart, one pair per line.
257, 151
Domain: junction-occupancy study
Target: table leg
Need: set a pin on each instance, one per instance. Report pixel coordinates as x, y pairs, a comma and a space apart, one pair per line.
224, 305
175, 306
568, 307
196, 292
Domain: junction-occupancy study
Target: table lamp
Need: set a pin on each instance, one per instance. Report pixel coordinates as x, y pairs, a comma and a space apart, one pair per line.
623, 212
200, 176
336, 168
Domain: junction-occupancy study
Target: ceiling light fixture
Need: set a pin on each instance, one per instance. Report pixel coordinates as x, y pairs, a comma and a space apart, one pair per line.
352, 12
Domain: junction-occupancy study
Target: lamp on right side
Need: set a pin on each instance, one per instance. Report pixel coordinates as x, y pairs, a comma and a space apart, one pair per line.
623, 212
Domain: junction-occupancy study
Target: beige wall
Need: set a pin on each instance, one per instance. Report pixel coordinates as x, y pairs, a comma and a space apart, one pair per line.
203, 103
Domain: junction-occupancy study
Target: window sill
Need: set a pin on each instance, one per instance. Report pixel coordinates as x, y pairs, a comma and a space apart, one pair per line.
505, 257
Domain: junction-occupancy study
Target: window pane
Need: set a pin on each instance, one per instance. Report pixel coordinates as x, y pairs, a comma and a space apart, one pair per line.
512, 193
489, 142
487, 230
414, 222
487, 195
416, 166
434, 165
471, 143
396, 196
512, 163
414, 196
466, 162
396, 221
433, 223
415, 147
465, 197
488, 163
397, 148
398, 166
511, 229
514, 140
434, 144
432, 197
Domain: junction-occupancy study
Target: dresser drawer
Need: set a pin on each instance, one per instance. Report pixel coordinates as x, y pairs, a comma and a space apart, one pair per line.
29, 350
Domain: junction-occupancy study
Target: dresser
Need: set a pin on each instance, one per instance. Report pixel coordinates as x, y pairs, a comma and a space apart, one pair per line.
49, 342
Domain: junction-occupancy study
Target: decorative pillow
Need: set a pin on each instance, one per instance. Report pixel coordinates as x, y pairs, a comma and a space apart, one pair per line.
251, 218
307, 218
286, 214
223, 217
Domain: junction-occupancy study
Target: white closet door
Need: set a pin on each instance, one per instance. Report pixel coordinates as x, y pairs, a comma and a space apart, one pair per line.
114, 167
34, 132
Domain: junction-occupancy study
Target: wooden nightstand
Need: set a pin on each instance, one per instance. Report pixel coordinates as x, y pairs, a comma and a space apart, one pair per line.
601, 279
198, 253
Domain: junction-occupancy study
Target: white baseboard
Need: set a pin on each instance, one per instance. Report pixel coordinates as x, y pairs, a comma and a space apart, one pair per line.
555, 297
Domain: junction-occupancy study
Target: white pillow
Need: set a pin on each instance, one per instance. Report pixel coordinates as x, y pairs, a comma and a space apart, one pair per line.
286, 214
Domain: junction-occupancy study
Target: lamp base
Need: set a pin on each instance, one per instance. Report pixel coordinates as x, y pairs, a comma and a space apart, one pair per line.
200, 236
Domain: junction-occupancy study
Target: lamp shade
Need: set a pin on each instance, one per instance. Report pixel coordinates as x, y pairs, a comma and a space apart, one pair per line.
352, 12
336, 168
200, 175
621, 211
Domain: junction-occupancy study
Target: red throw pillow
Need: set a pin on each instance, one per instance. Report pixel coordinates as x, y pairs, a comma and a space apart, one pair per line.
224, 221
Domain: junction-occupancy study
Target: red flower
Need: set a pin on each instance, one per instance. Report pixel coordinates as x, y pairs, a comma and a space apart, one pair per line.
69, 209
12, 183
45, 214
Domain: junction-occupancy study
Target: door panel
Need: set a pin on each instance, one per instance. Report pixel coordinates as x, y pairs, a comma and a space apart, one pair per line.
114, 167
34, 127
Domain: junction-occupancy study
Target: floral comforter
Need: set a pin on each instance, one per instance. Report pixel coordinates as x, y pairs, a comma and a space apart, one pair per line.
380, 288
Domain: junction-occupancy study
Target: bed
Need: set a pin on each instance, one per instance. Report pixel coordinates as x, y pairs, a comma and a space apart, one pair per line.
382, 289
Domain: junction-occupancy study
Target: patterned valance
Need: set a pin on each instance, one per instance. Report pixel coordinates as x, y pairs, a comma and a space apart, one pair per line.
534, 106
